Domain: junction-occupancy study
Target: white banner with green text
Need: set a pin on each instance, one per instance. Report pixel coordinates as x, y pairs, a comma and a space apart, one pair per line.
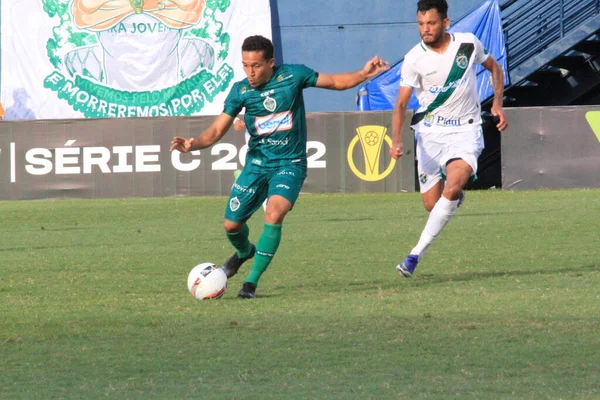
123, 58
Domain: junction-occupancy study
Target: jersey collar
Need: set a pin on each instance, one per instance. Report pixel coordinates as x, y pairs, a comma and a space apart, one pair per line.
426, 49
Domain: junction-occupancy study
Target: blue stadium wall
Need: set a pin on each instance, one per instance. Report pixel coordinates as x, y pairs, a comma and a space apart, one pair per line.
339, 36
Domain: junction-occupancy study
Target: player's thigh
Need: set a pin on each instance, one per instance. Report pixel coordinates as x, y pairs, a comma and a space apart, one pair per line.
466, 146
276, 209
287, 182
429, 153
247, 194
459, 173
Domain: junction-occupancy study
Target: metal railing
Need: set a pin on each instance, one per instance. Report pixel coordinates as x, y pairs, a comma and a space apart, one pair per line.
530, 26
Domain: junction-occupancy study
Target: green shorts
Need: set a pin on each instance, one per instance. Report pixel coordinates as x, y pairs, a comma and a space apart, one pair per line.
255, 184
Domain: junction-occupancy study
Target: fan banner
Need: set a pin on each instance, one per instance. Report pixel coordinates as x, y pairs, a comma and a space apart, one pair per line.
123, 58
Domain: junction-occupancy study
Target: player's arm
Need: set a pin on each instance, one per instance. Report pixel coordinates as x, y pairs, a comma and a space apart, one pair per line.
347, 80
210, 136
498, 84
398, 118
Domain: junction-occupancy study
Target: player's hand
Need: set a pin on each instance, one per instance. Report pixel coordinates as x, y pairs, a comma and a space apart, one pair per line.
374, 67
239, 125
498, 112
182, 144
397, 150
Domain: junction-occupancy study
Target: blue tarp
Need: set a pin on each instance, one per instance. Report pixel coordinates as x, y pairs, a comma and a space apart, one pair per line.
484, 22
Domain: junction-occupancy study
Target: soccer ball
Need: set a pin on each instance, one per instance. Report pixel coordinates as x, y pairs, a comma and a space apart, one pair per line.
207, 281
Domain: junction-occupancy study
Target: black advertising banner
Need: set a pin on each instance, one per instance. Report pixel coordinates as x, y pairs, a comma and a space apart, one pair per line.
104, 158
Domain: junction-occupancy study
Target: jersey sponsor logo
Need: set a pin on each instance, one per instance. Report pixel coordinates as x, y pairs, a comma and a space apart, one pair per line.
452, 85
371, 138
274, 122
283, 78
462, 61
291, 173
267, 93
244, 189
447, 121
275, 142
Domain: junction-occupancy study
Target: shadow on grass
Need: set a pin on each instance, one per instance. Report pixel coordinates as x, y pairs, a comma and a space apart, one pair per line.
428, 278
465, 277
487, 214
423, 215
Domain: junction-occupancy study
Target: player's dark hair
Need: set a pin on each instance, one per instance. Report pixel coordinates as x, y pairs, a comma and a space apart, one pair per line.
440, 5
259, 43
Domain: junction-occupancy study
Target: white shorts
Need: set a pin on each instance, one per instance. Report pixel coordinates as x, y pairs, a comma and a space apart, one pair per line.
434, 150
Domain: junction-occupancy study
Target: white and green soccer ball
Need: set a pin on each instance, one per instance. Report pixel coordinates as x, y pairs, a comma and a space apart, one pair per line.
207, 281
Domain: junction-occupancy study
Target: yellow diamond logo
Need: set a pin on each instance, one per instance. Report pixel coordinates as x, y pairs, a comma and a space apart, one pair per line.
593, 118
371, 139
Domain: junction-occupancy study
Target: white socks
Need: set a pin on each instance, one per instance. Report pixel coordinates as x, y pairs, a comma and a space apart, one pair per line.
443, 210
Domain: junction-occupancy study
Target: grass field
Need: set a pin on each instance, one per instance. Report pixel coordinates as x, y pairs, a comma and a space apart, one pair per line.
505, 305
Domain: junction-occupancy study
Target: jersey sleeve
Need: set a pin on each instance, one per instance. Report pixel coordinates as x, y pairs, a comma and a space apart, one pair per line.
481, 53
233, 103
408, 75
306, 76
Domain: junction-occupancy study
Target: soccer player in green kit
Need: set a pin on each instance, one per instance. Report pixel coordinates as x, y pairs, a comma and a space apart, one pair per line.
276, 160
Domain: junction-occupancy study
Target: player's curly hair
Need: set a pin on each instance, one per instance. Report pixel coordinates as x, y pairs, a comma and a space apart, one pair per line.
440, 5
259, 43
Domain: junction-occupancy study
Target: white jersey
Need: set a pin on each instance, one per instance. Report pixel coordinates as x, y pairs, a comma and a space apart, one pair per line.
140, 53
445, 84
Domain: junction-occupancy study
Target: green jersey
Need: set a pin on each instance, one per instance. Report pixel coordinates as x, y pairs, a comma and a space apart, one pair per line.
275, 116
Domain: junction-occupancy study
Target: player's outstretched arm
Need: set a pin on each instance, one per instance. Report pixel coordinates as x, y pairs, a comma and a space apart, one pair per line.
210, 136
347, 80
498, 83
398, 117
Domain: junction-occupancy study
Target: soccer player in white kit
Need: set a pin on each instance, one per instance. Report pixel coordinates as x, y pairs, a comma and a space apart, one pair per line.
441, 71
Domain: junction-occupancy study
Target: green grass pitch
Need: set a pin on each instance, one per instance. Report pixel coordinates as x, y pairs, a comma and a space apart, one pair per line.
505, 304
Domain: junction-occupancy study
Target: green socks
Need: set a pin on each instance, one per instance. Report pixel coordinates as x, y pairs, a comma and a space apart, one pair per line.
265, 250
240, 241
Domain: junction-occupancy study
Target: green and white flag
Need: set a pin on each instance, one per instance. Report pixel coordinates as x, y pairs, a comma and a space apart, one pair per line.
123, 58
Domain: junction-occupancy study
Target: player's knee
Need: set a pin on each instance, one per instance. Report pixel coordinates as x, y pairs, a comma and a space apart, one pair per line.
428, 204
232, 227
452, 192
274, 215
